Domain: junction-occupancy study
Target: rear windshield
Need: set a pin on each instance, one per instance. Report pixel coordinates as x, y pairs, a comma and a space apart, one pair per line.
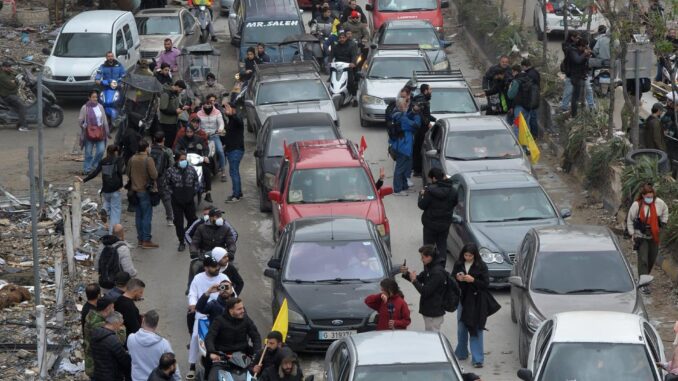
84, 45
304, 90
290, 135
270, 32
158, 25
395, 67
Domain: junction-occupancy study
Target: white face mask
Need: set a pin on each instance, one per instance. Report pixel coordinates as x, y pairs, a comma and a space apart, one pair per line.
219, 222
205, 218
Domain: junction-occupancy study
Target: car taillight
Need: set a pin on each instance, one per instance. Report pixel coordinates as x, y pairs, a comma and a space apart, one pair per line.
549, 8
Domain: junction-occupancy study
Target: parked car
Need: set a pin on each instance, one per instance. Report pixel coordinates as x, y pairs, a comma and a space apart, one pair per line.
558, 269
595, 345
225, 7
451, 95
477, 143
81, 47
386, 71
287, 88
409, 32
430, 10
325, 267
495, 210
577, 18
279, 130
327, 177
157, 24
392, 355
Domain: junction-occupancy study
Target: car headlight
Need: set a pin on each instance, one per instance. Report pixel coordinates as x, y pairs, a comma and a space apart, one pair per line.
490, 256
444, 65
373, 318
46, 72
370, 100
295, 317
533, 320
269, 180
381, 228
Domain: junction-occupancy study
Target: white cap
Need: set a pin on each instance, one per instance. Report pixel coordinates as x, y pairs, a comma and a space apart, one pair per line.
671, 97
218, 253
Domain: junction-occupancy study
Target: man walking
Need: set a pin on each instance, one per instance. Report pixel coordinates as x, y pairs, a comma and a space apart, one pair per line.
653, 135
111, 360
125, 305
576, 63
520, 93
146, 347
170, 108
182, 184
534, 75
92, 292
234, 148
163, 158
401, 144
10, 95
114, 257
437, 200
430, 284
143, 176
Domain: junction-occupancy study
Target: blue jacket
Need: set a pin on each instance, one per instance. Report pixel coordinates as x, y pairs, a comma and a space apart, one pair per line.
409, 122
109, 72
211, 308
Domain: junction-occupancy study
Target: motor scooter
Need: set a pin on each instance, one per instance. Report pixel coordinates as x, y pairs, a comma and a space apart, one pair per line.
339, 77
601, 81
52, 114
204, 19
110, 99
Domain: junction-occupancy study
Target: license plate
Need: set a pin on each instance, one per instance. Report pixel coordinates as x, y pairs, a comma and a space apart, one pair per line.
334, 335
572, 23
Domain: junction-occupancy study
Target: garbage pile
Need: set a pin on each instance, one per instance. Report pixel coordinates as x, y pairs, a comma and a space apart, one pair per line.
26, 43
18, 333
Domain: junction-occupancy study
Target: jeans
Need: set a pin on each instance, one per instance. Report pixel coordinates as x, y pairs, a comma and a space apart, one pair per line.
438, 238
183, 210
113, 208
534, 123
576, 94
477, 355
143, 216
403, 168
92, 159
234, 158
567, 95
219, 147
18, 105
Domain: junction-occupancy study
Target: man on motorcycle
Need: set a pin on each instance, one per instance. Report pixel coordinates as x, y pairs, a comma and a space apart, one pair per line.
10, 94
345, 51
215, 307
110, 70
212, 121
215, 233
194, 6
601, 48
353, 7
211, 86
193, 143
358, 28
169, 56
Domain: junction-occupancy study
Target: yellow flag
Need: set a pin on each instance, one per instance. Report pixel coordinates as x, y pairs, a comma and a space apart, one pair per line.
281, 321
525, 139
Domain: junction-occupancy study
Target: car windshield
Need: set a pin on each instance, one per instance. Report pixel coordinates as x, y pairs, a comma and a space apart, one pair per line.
507, 204
395, 67
481, 145
575, 273
424, 37
598, 361
269, 32
294, 134
333, 261
406, 5
406, 372
83, 45
452, 101
291, 91
330, 185
163, 25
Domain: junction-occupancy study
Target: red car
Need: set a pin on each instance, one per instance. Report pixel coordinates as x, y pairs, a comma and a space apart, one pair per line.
429, 10
327, 178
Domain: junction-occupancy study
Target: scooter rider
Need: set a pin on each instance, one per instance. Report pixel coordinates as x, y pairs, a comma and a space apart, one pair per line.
211, 86
194, 4
110, 70
345, 51
10, 95
212, 121
601, 49
193, 143
361, 32
215, 233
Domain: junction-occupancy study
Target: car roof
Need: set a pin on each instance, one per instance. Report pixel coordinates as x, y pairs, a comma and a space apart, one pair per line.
398, 346
99, 21
328, 228
597, 327
334, 153
407, 24
265, 10
570, 238
476, 123
302, 119
452, 78
169, 11
414, 52
498, 179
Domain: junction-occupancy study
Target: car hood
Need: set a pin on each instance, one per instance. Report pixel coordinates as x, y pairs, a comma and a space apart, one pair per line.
506, 236
457, 166
264, 111
384, 88
154, 42
371, 210
548, 304
331, 300
73, 66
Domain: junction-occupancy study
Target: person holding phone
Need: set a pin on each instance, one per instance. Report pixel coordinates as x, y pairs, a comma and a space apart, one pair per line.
390, 303
430, 284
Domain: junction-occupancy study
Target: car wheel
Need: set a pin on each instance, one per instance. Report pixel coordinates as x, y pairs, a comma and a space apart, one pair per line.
523, 348
264, 203
513, 312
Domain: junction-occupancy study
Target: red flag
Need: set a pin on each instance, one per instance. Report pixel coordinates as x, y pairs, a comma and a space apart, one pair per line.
363, 145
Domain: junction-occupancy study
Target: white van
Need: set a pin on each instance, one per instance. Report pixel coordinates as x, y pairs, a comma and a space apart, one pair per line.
81, 48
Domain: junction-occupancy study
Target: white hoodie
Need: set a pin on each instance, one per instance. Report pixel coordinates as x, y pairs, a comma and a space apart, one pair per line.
145, 348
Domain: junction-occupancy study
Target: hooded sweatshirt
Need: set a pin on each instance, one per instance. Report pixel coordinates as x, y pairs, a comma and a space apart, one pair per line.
438, 202
275, 373
146, 347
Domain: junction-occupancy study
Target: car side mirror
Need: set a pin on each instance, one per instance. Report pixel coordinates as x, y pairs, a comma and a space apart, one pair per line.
274, 196
373, 46
645, 280
516, 281
249, 103
431, 153
525, 374
385, 191
565, 213
368, 7
444, 4
270, 273
457, 219
274, 263
46, 51
121, 52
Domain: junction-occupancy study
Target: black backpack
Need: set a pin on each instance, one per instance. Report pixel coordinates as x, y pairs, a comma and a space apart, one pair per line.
452, 293
109, 265
393, 127
160, 159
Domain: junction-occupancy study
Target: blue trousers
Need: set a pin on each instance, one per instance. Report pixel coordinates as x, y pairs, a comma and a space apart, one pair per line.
477, 355
94, 152
567, 95
234, 158
403, 168
144, 216
219, 148
113, 208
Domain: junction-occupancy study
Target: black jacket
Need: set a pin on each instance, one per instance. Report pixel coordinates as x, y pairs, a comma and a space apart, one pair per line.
111, 360
577, 64
228, 334
347, 12
438, 202
235, 134
431, 286
158, 375
534, 75
194, 144
489, 82
130, 313
474, 296
111, 169
208, 236
269, 359
345, 52
425, 102
275, 373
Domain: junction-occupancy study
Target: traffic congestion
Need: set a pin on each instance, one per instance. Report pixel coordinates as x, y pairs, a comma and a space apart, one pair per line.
322, 193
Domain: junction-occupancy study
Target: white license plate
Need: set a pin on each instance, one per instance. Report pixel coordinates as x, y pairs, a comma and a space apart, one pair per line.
334, 335
572, 23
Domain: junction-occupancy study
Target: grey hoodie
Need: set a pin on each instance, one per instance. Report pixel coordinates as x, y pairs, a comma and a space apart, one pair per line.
146, 347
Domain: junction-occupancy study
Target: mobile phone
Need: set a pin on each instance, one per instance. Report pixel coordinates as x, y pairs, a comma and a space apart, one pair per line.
405, 262
460, 274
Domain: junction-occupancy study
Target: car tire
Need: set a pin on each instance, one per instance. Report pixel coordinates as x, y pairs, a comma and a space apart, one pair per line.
523, 348
514, 319
663, 163
264, 203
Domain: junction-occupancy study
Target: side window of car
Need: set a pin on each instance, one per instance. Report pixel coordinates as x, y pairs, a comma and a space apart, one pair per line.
284, 170
188, 21
345, 364
438, 137
543, 342
461, 201
338, 360
523, 259
128, 36
119, 43
652, 342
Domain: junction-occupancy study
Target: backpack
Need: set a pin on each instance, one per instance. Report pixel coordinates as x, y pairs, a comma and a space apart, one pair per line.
109, 265
535, 96
528, 93
565, 67
160, 159
452, 293
393, 128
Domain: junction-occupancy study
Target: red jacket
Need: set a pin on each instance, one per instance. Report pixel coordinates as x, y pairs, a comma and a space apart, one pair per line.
401, 313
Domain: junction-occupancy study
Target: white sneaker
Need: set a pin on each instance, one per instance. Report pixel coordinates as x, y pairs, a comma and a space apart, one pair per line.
401, 193
410, 183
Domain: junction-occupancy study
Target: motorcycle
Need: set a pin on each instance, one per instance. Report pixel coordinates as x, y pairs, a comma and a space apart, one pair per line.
196, 161
234, 368
204, 19
110, 99
601, 81
339, 77
52, 114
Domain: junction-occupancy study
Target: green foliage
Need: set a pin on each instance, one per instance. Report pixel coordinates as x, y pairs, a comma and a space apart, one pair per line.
644, 171
602, 156
588, 126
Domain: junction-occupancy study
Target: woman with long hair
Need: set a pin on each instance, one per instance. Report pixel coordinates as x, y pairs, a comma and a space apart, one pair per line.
93, 131
391, 305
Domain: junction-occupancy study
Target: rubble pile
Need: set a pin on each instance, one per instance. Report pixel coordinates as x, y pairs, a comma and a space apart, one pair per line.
18, 332
26, 43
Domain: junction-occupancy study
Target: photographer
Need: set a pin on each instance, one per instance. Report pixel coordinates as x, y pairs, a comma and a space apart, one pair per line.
438, 201
401, 144
578, 58
215, 307
423, 99
646, 216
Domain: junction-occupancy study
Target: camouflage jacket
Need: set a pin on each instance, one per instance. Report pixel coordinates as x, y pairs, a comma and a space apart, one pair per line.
94, 320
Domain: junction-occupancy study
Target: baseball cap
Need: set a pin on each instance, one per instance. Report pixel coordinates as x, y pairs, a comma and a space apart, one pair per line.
355, 14
214, 212
208, 261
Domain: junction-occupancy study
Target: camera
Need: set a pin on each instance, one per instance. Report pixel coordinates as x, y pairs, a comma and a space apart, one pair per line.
642, 227
224, 287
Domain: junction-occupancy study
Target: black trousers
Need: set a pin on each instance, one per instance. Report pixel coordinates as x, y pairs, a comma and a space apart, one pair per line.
416, 150
577, 87
207, 176
439, 239
170, 131
181, 211
18, 105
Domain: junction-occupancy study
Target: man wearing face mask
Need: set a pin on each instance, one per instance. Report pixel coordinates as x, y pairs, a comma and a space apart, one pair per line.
190, 231
183, 184
211, 86
215, 233
192, 142
212, 122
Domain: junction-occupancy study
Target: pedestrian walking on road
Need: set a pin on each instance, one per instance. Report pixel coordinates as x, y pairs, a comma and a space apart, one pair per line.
92, 292
170, 108
142, 180
401, 144
647, 216
146, 347
111, 360
10, 95
234, 148
166, 369
113, 258
163, 158
438, 201
534, 75
430, 284
121, 280
93, 132
127, 307
653, 134
391, 306
182, 185
111, 168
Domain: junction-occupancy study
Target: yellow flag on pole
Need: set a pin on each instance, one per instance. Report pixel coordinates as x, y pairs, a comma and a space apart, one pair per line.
282, 320
525, 138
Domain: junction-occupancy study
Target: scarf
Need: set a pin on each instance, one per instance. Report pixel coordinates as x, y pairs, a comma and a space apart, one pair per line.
91, 118
653, 219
